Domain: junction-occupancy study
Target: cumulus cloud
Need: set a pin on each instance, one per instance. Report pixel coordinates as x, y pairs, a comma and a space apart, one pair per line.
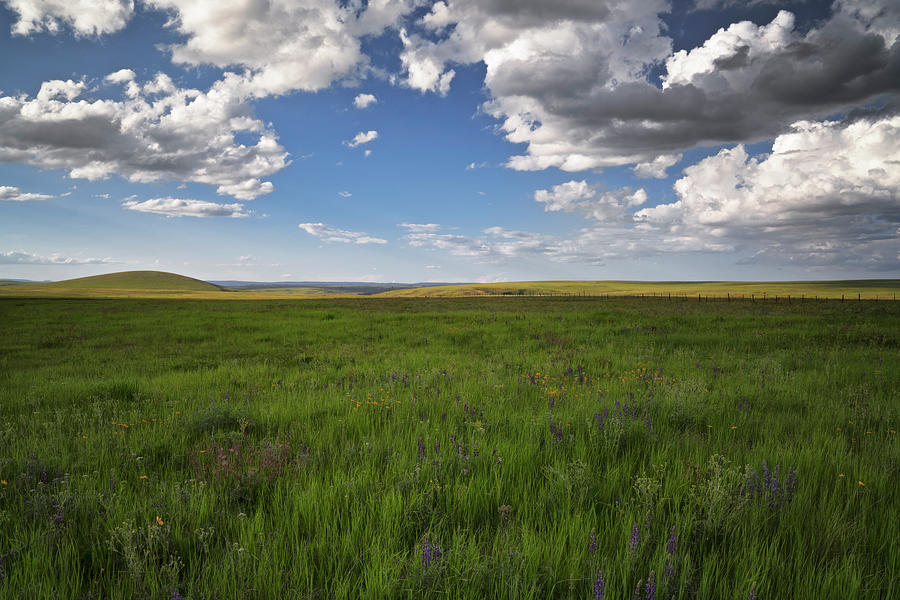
828, 194
84, 17
308, 44
21, 257
157, 132
13, 194
332, 234
574, 80
363, 137
364, 100
177, 207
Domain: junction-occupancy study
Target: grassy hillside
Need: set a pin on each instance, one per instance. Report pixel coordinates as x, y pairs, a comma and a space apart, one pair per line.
125, 284
139, 280
870, 288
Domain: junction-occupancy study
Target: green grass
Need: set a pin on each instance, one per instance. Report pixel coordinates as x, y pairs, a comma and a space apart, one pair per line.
116, 416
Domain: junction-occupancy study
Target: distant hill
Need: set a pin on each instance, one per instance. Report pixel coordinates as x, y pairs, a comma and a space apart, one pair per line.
864, 288
138, 280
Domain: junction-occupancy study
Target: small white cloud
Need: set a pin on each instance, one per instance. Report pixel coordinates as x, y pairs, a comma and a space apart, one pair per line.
657, 167
120, 76
473, 165
432, 267
104, 196
13, 194
364, 100
363, 137
344, 194
420, 227
368, 153
332, 234
177, 207
21, 257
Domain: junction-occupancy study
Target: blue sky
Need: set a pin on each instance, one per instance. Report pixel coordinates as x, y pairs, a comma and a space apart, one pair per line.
491, 140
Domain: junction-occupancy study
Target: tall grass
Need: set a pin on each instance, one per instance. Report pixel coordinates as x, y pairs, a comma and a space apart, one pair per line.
503, 448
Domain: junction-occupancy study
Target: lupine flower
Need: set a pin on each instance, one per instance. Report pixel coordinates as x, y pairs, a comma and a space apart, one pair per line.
599, 586
421, 445
635, 538
672, 543
175, 595
650, 587
430, 553
752, 594
592, 542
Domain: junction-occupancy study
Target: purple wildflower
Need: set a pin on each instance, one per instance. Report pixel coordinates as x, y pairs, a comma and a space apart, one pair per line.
599, 586
650, 587
175, 595
672, 543
421, 444
430, 552
635, 538
752, 594
592, 542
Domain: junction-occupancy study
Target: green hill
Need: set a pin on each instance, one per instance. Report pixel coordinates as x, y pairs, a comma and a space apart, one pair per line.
138, 280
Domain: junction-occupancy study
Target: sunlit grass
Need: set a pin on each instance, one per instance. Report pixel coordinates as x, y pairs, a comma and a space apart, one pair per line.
326, 448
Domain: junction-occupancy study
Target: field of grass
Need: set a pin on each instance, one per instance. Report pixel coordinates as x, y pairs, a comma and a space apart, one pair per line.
872, 289
449, 448
155, 284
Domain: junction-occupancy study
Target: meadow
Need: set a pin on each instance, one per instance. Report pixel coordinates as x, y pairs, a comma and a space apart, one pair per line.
475, 448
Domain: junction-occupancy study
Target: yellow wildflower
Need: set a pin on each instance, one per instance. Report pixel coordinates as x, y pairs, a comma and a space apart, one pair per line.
143, 477
861, 483
3, 482
840, 474
159, 520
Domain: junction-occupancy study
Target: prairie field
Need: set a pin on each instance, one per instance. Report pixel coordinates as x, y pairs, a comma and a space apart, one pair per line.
503, 447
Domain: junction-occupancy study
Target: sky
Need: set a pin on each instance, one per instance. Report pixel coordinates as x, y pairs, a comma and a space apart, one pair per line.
458, 140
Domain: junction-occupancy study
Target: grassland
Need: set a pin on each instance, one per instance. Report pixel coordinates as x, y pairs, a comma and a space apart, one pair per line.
155, 284
884, 289
449, 448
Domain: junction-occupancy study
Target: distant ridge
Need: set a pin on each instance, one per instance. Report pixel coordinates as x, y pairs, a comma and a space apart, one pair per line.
138, 280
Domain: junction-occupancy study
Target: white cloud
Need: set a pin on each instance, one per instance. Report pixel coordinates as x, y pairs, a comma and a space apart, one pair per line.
828, 194
332, 234
499, 245
572, 79
364, 100
420, 227
344, 194
473, 165
158, 132
363, 137
367, 153
578, 196
283, 46
657, 167
13, 194
177, 207
84, 17
21, 257
120, 76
